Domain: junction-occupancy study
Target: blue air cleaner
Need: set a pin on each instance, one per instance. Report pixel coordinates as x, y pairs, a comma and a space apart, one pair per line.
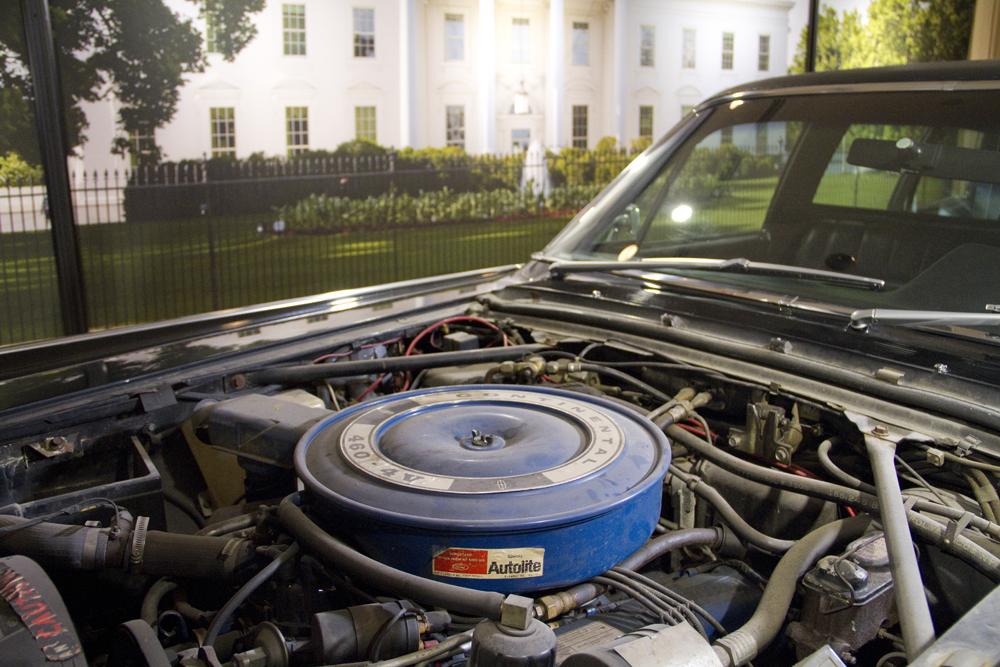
502, 488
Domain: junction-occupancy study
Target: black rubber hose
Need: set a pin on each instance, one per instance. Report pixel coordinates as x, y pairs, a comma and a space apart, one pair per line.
742, 645
823, 452
182, 503
301, 374
338, 555
63, 546
159, 553
194, 556
150, 609
230, 525
730, 516
927, 528
672, 541
221, 620
625, 378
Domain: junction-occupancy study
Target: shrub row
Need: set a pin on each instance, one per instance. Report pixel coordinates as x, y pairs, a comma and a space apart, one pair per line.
322, 212
185, 190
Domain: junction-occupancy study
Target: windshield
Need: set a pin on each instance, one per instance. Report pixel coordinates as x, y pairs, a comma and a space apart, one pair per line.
895, 186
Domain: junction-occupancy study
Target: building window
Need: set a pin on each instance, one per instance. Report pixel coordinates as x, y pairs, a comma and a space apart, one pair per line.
763, 53
688, 48
293, 29
211, 33
141, 147
519, 39
761, 139
579, 126
647, 46
364, 124
364, 32
646, 122
296, 130
727, 50
454, 37
454, 126
581, 43
726, 135
222, 122
519, 139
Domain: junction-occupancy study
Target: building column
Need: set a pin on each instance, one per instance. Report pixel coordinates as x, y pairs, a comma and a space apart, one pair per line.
555, 112
618, 74
407, 73
985, 39
487, 76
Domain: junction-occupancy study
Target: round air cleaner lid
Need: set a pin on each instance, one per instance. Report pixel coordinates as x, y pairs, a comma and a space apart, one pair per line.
484, 457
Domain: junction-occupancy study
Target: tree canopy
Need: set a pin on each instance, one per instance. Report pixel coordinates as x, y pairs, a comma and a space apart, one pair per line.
896, 32
137, 51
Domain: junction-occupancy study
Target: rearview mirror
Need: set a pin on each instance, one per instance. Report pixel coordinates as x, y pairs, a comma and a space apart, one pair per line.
908, 156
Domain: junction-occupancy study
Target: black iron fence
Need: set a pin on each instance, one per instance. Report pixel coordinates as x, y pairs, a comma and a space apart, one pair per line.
175, 240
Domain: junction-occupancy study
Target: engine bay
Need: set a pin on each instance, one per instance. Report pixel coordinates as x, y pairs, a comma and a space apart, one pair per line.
480, 490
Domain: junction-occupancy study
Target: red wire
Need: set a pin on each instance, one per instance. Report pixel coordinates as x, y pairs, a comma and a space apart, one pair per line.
692, 429
366, 346
460, 318
371, 387
416, 339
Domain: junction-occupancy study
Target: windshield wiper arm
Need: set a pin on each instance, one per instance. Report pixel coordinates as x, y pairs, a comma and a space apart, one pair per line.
735, 265
862, 319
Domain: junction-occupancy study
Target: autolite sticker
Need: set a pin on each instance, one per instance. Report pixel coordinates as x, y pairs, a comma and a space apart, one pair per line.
490, 563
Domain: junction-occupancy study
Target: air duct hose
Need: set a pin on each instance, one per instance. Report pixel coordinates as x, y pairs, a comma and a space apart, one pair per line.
338, 555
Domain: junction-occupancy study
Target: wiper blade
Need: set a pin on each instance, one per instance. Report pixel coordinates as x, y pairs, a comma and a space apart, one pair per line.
735, 265
863, 319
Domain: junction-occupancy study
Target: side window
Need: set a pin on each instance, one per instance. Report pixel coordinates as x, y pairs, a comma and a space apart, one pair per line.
724, 186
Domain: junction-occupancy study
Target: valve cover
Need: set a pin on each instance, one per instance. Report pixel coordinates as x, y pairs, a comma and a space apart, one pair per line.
503, 488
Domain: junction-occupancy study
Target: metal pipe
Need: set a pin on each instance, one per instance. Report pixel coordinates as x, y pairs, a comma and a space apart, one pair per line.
924, 526
312, 372
51, 125
908, 587
812, 35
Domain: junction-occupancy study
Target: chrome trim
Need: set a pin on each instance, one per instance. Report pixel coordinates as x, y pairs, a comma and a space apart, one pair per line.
846, 88
734, 265
863, 319
28, 358
659, 282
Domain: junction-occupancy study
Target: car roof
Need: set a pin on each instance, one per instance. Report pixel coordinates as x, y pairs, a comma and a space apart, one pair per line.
916, 76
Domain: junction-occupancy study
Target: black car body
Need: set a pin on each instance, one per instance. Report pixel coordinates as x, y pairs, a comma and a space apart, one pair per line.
813, 326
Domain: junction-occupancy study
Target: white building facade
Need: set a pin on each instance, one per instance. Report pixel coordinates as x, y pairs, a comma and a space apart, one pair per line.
490, 76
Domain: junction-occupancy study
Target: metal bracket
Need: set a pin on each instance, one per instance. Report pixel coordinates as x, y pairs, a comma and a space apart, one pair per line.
956, 526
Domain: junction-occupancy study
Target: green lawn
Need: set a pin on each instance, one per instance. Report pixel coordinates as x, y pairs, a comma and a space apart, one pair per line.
144, 272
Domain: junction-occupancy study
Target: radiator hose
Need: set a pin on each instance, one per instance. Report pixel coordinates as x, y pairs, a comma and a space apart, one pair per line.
125, 545
742, 645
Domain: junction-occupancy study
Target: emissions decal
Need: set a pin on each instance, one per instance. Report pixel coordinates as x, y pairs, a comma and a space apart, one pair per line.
466, 563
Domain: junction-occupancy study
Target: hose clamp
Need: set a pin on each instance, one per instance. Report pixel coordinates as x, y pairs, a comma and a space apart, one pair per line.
138, 541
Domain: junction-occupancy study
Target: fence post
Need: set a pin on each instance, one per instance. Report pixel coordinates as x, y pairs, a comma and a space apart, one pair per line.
51, 128
213, 264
